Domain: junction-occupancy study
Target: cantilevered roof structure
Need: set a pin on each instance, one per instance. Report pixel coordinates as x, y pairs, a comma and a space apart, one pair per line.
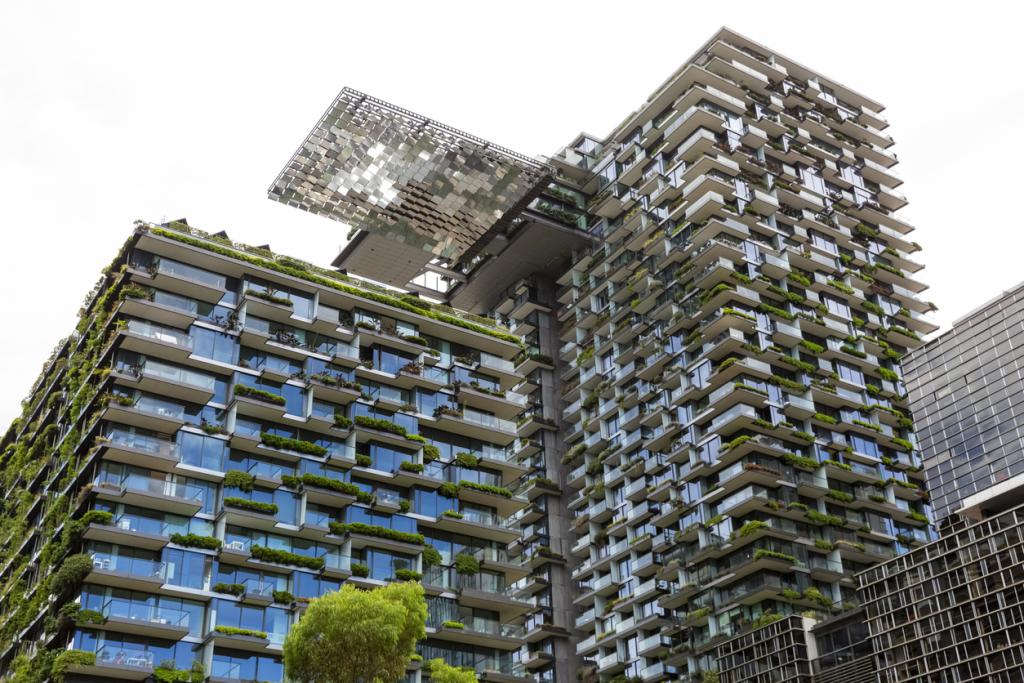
418, 192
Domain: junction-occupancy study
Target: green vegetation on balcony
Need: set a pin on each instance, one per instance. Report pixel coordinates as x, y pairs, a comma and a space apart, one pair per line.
738, 441
322, 482
747, 387
887, 374
842, 286
167, 672
196, 541
251, 505
751, 527
792, 297
68, 658
466, 459
342, 528
777, 312
827, 419
738, 314
815, 595
868, 425
788, 384
285, 443
465, 564
235, 589
277, 556
841, 496
449, 316
247, 632
903, 443
763, 554
917, 517
767, 617
853, 351
800, 462
237, 479
799, 364
270, 297
798, 278
430, 452
408, 575
414, 467
836, 463
823, 519
486, 488
258, 394
359, 570
431, 556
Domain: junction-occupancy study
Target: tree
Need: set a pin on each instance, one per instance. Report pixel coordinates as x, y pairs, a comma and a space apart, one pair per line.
357, 636
440, 672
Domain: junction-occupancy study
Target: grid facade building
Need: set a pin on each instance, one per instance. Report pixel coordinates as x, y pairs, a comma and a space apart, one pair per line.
646, 393
952, 610
967, 396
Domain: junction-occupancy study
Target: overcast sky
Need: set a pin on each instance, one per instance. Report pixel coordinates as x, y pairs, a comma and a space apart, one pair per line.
115, 111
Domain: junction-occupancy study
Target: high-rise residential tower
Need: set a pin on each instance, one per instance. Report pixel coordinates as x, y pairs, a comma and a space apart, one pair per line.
634, 411
951, 611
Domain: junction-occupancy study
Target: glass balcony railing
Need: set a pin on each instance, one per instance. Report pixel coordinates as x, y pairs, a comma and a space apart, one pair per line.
161, 487
141, 442
139, 610
182, 270
266, 470
177, 375
494, 362
160, 408
129, 565
156, 526
118, 655
489, 421
259, 587
159, 333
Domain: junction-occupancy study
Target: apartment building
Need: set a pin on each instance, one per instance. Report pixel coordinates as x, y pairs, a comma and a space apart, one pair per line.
736, 422
951, 611
632, 412
233, 433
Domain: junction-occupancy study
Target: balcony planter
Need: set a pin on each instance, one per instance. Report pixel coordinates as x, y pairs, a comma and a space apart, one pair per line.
251, 505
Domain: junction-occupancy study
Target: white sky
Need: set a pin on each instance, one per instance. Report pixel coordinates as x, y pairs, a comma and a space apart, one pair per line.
115, 111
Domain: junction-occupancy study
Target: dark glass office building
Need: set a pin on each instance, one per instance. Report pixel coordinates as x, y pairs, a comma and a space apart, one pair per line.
951, 611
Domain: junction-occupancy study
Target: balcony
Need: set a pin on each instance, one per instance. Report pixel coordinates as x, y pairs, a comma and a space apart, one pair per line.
190, 281
146, 412
142, 619
151, 339
126, 572
118, 663
136, 449
132, 531
482, 632
171, 381
477, 425
153, 493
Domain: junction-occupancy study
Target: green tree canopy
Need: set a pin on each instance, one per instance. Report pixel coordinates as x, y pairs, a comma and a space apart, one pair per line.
440, 672
357, 636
